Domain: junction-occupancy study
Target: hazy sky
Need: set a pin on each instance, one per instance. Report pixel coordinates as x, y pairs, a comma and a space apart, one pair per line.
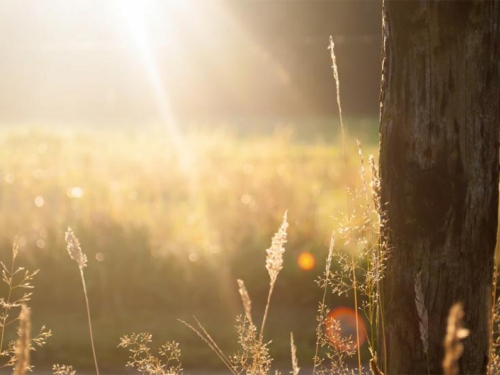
78, 61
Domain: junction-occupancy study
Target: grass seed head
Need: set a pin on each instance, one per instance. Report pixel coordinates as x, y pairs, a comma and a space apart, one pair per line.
274, 260
245, 298
75, 250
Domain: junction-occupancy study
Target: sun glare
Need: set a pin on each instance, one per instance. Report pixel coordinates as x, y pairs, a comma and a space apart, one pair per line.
135, 16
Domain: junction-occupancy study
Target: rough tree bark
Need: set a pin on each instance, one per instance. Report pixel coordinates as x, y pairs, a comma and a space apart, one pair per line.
440, 119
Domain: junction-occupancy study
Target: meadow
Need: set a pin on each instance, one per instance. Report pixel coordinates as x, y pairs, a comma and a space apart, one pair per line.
169, 224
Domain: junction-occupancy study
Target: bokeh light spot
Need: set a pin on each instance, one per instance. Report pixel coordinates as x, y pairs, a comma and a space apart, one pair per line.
246, 199
346, 318
39, 201
75, 192
9, 178
306, 261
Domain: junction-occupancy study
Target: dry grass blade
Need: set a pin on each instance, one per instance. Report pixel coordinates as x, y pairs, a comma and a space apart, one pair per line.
245, 299
207, 335
455, 333
23, 342
75, 252
211, 344
295, 362
422, 312
374, 367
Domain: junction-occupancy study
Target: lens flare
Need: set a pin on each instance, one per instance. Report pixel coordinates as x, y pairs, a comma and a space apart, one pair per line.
306, 261
340, 325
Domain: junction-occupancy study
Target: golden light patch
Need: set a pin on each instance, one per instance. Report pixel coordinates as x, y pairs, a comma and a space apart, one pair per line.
306, 261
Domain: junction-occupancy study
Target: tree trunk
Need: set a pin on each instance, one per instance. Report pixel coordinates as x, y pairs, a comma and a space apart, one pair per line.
439, 125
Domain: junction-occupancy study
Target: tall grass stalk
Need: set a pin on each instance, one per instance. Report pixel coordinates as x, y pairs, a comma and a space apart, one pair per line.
324, 285
75, 252
355, 287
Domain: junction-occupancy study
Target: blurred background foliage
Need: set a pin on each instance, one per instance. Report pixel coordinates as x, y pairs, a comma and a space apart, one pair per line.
168, 230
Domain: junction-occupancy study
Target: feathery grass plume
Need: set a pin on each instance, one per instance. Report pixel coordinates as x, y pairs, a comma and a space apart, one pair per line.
245, 299
455, 333
63, 370
75, 252
143, 361
274, 263
23, 342
422, 312
274, 260
295, 362
342, 128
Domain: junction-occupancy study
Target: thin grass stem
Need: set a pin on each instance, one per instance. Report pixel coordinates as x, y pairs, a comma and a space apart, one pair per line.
89, 320
325, 287
271, 288
354, 281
